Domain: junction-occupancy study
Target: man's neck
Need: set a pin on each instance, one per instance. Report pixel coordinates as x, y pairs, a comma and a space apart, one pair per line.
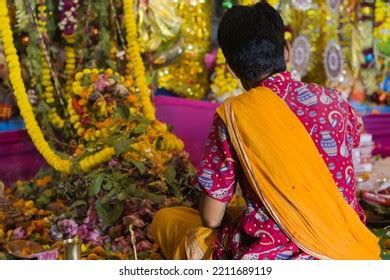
248, 85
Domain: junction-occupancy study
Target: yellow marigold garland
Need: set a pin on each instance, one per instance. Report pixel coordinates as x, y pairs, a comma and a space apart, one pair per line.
62, 165
135, 60
70, 66
382, 18
48, 87
224, 84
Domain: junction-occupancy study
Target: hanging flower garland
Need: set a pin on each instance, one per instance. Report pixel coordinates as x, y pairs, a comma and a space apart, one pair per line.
224, 84
68, 26
106, 88
135, 63
382, 26
60, 164
48, 87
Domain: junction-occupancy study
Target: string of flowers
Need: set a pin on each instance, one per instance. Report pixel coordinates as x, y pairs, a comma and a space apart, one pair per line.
135, 60
224, 84
382, 21
26, 110
68, 26
48, 87
170, 141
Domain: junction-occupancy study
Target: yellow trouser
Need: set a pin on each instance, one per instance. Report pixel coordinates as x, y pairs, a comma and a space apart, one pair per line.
180, 234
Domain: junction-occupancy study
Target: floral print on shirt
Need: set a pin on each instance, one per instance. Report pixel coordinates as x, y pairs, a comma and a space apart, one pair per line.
334, 128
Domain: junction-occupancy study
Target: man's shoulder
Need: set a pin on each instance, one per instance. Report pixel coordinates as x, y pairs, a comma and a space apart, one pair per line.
321, 88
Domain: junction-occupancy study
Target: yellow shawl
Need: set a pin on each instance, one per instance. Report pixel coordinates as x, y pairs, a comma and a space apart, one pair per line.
288, 174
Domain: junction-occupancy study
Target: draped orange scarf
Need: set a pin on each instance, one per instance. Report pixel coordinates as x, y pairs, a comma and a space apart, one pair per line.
288, 174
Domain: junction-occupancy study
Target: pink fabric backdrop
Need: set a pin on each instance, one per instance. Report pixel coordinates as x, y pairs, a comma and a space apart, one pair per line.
18, 157
190, 119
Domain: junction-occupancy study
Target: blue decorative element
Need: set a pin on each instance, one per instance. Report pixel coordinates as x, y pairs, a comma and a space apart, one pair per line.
350, 139
224, 169
331, 166
370, 58
216, 159
368, 108
286, 255
313, 114
328, 143
261, 216
12, 125
322, 120
306, 97
300, 112
222, 133
339, 175
386, 84
205, 179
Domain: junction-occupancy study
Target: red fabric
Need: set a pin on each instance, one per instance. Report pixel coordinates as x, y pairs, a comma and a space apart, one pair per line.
334, 128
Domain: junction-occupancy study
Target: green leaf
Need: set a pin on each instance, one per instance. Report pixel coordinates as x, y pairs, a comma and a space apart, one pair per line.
112, 139
144, 121
121, 196
75, 167
110, 194
43, 172
107, 247
122, 146
95, 186
112, 64
140, 166
123, 111
175, 190
78, 203
86, 81
170, 174
42, 107
156, 198
159, 142
117, 176
130, 189
43, 200
48, 192
139, 129
109, 214
108, 186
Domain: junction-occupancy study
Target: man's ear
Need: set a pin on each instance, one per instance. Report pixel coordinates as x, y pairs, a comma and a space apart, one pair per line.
287, 52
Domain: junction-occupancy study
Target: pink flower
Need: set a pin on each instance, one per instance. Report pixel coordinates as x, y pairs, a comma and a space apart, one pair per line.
210, 59
83, 232
121, 244
19, 233
91, 216
68, 227
94, 237
133, 219
101, 84
113, 162
143, 245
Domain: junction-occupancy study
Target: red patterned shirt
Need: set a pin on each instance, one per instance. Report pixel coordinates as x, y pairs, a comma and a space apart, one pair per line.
334, 128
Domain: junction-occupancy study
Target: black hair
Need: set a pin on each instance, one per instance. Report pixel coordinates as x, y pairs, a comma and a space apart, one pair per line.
252, 41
